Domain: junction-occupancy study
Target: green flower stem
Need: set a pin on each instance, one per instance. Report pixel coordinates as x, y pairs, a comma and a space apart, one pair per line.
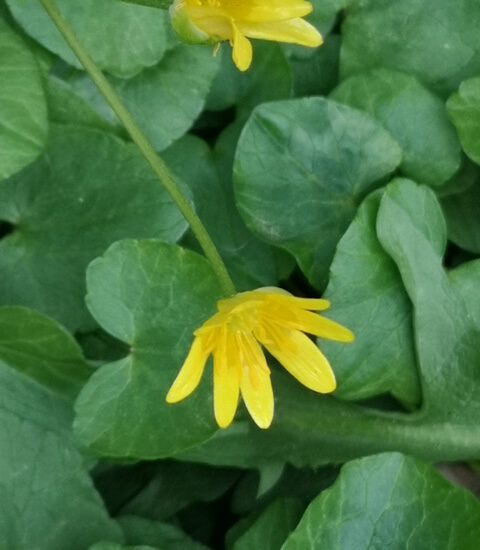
161, 170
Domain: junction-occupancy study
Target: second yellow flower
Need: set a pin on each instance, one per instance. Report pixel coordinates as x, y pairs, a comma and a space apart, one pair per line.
212, 21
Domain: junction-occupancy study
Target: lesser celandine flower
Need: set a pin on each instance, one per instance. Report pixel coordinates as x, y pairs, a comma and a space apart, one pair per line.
268, 317
212, 21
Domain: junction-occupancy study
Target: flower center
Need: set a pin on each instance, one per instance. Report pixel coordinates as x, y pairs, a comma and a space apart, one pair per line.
243, 319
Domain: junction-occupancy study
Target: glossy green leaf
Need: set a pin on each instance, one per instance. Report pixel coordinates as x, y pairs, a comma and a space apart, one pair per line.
123, 39
377, 309
464, 110
272, 527
152, 296
88, 190
48, 501
23, 109
165, 99
301, 169
42, 349
441, 48
389, 501
413, 115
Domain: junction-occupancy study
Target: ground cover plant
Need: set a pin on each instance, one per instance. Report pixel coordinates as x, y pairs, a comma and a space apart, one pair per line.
239, 279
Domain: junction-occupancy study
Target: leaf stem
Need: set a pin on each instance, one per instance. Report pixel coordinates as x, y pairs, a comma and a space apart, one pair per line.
161, 170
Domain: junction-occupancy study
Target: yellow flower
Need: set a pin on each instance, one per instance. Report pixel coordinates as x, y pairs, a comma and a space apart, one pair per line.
268, 317
212, 21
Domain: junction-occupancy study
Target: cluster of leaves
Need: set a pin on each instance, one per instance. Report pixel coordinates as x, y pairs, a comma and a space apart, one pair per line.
351, 170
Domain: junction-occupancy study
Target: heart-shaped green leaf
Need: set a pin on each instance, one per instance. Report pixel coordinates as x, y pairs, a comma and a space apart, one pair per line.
302, 167
151, 296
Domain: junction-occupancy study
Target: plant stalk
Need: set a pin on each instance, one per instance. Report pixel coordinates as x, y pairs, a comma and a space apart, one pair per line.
159, 167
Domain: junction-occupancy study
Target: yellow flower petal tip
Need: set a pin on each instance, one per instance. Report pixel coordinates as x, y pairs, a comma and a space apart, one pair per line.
269, 318
235, 21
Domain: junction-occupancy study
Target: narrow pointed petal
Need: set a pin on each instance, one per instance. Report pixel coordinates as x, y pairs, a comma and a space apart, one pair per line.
306, 321
191, 372
226, 380
271, 11
250, 11
242, 50
312, 304
296, 31
255, 384
301, 357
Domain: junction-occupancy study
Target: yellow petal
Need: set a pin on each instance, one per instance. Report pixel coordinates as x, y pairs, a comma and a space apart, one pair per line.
313, 304
191, 372
301, 357
255, 383
226, 380
269, 11
296, 31
242, 50
248, 10
306, 321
